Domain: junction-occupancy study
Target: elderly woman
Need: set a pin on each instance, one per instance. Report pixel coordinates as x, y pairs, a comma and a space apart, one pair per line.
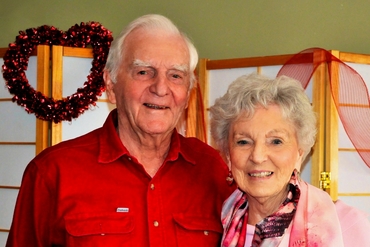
265, 129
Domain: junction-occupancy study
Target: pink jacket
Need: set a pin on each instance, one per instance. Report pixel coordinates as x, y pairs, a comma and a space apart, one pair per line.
316, 222
355, 225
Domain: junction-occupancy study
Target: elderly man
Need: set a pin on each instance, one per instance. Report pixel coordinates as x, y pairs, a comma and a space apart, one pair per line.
135, 181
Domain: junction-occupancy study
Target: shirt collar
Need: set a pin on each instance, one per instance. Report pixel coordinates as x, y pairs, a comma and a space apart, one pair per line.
111, 147
178, 147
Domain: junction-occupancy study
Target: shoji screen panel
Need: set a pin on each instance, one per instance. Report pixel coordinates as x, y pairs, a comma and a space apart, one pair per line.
70, 69
21, 137
216, 75
354, 174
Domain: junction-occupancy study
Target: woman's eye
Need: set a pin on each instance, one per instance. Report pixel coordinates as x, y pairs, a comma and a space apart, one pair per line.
276, 141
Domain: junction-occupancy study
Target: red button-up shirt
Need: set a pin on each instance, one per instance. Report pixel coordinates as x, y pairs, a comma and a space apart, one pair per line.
90, 191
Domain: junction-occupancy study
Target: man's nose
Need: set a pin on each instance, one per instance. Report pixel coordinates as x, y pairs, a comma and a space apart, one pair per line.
160, 85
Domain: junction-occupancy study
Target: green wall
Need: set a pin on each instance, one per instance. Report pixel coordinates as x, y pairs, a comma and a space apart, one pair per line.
219, 28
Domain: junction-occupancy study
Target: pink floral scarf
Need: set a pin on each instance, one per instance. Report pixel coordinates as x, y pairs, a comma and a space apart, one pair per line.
235, 217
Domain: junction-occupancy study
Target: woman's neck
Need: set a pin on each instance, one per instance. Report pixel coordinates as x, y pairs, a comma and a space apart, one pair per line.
260, 208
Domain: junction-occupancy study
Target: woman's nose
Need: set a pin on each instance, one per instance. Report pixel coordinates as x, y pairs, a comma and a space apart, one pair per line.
259, 153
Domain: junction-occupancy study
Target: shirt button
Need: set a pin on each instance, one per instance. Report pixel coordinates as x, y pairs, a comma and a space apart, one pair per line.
156, 223
152, 186
129, 158
206, 233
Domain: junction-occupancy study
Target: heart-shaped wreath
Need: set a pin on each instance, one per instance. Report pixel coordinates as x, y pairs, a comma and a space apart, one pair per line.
16, 62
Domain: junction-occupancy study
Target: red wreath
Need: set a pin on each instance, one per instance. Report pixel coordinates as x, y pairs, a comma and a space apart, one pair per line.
45, 108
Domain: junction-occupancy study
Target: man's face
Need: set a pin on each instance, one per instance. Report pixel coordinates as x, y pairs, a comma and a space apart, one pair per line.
152, 87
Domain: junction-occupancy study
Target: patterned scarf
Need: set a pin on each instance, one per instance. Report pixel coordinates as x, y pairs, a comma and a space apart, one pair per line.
235, 216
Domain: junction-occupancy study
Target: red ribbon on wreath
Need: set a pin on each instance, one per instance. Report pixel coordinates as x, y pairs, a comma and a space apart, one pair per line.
16, 62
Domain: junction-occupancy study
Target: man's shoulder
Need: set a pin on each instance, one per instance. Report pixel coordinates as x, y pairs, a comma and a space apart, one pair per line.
198, 146
193, 140
82, 143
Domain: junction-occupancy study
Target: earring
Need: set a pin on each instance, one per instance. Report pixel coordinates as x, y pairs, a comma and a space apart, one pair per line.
230, 178
296, 175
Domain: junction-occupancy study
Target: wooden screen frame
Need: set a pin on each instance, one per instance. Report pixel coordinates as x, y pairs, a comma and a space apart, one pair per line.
42, 77
346, 57
58, 52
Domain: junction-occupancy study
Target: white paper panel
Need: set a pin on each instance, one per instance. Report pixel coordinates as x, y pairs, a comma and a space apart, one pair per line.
357, 202
86, 122
306, 170
220, 79
270, 71
16, 125
363, 70
354, 175
14, 159
30, 73
343, 140
3, 237
75, 72
7, 203
4, 93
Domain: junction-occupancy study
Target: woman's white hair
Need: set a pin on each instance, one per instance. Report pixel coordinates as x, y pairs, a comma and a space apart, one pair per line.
249, 91
148, 22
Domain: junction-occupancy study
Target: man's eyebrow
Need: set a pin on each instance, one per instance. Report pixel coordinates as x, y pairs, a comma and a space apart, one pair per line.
138, 62
181, 67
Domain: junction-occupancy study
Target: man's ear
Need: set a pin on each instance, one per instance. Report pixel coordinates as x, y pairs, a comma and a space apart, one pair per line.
190, 92
109, 86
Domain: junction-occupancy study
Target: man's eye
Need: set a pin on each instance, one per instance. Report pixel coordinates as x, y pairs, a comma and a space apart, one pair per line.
242, 142
176, 76
143, 74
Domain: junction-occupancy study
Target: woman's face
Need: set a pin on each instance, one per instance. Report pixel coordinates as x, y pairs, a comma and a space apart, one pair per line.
263, 153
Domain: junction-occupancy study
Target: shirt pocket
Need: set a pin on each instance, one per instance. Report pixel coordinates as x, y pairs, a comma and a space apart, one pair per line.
98, 230
197, 230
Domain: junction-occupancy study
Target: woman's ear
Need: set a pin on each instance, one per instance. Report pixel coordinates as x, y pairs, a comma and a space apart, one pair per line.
109, 86
299, 160
227, 160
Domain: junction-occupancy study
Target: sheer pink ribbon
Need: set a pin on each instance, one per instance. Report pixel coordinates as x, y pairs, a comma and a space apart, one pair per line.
349, 92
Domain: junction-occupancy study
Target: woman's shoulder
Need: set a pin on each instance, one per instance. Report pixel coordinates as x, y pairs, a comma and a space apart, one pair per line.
315, 193
317, 214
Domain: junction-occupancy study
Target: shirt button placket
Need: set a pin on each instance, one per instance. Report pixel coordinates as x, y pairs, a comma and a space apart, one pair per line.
154, 208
